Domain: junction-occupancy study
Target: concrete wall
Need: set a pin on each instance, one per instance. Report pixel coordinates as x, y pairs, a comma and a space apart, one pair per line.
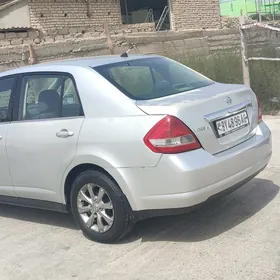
166, 43
16, 15
195, 14
9, 39
57, 14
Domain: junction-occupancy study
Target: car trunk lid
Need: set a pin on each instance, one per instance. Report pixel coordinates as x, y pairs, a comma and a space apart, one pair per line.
220, 115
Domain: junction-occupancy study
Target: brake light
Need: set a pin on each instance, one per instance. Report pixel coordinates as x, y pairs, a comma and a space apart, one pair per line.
171, 136
259, 111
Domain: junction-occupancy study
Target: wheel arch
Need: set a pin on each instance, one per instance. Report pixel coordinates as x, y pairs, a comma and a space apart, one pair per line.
112, 173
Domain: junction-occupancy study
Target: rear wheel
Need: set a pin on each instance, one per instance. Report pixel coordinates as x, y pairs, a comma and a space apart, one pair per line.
99, 207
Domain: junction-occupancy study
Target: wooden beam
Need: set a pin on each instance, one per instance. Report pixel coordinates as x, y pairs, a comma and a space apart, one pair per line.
109, 39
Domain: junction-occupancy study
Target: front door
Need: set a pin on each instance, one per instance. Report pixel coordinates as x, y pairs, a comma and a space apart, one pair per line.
42, 142
6, 88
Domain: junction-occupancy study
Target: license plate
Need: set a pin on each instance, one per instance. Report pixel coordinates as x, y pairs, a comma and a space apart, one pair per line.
231, 124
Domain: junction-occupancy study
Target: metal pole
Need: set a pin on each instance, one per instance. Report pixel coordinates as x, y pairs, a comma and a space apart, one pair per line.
126, 11
245, 64
259, 11
273, 10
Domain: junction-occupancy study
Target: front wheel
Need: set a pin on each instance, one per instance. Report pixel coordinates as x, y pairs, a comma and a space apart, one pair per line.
99, 207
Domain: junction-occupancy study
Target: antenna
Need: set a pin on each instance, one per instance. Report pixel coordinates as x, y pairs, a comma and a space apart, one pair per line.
131, 46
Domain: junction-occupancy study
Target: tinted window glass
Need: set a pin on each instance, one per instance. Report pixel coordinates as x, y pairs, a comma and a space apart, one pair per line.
71, 104
6, 86
42, 97
151, 78
134, 79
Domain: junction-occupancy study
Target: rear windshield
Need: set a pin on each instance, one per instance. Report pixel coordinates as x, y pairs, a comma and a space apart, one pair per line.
151, 78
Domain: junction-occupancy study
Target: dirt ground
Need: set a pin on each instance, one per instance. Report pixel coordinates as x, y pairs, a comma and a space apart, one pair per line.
237, 237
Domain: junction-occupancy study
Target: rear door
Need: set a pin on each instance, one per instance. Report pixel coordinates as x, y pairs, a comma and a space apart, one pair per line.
42, 140
7, 87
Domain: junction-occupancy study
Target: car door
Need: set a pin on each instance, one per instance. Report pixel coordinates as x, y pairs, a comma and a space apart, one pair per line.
7, 85
42, 140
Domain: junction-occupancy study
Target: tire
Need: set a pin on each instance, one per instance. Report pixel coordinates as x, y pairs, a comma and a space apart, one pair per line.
119, 217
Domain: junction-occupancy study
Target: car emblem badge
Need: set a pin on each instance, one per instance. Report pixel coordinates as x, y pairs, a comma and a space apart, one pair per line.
228, 100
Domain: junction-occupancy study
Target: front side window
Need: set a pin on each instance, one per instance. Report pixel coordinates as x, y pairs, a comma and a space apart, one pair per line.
43, 97
6, 87
150, 78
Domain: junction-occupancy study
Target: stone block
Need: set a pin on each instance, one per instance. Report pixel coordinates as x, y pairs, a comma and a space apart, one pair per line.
32, 34
95, 34
63, 31
22, 34
44, 33
91, 29
73, 30
87, 35
59, 38
16, 42
28, 41
78, 35
82, 29
37, 41
5, 42
2, 36
49, 39
52, 32
11, 35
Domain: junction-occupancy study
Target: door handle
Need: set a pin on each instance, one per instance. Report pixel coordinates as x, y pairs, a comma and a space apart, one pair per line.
64, 133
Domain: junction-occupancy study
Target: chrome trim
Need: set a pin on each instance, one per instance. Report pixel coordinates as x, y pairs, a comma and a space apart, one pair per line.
49, 119
64, 133
227, 112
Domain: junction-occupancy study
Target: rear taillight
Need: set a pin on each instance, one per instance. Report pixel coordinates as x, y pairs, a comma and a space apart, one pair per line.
259, 111
171, 136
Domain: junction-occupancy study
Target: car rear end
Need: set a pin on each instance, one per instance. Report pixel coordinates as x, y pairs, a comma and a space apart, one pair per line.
210, 136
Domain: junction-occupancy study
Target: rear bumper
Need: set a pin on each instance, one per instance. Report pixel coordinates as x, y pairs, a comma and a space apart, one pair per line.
144, 214
188, 179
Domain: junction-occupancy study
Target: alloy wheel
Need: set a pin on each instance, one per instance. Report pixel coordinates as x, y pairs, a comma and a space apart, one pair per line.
95, 208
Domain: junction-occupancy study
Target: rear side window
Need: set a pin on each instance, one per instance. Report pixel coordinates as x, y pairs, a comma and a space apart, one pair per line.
48, 96
6, 87
151, 78
71, 105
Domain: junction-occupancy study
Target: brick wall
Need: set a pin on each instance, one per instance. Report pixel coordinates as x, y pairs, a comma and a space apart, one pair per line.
195, 14
57, 14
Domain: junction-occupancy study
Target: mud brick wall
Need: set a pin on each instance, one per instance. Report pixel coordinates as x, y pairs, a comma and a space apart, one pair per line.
58, 14
195, 14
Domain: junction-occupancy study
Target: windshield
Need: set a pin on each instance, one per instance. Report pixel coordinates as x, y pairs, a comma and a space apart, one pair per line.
151, 78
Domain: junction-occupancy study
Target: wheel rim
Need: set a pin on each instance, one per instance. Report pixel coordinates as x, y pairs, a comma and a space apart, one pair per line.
95, 208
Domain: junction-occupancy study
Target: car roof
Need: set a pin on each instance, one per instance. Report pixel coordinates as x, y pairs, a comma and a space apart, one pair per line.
73, 63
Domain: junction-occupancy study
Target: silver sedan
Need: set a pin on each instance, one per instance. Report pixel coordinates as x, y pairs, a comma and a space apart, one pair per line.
118, 139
